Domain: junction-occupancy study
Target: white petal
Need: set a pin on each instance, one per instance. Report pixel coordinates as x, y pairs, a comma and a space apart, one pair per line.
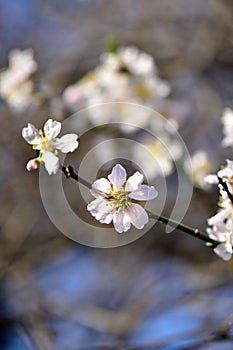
134, 182
211, 179
224, 250
101, 188
102, 210
227, 171
31, 134
118, 176
52, 128
137, 214
219, 218
229, 163
217, 233
121, 221
51, 162
67, 143
144, 193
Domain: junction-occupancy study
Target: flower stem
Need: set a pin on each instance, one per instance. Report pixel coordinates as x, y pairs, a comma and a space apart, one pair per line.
70, 173
184, 228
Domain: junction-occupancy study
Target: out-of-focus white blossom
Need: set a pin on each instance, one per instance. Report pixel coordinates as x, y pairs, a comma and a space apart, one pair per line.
156, 158
157, 155
130, 75
201, 166
221, 224
227, 120
138, 63
115, 199
15, 84
48, 144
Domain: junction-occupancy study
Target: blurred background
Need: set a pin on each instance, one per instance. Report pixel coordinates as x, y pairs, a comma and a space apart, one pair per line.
162, 291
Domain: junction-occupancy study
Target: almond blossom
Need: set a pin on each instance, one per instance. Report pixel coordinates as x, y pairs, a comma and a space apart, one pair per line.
221, 224
16, 86
129, 75
227, 120
221, 229
48, 144
201, 166
115, 199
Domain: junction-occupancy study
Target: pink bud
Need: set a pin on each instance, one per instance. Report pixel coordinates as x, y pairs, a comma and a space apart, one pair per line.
33, 164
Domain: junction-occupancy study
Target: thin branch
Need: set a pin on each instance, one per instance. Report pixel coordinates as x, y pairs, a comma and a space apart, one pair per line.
225, 187
184, 228
70, 173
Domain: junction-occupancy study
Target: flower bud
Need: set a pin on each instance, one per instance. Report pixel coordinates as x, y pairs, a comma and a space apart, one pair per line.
33, 164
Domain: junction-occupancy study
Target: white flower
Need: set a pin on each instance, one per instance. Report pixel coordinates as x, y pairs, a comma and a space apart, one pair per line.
221, 224
227, 120
47, 142
226, 174
115, 199
201, 166
130, 75
138, 62
221, 229
22, 62
157, 156
15, 84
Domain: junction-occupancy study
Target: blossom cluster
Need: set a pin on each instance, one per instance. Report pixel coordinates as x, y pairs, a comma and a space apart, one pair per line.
227, 120
48, 144
16, 86
115, 197
129, 75
221, 224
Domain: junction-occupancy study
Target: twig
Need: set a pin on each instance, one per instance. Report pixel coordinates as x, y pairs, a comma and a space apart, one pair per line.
70, 173
225, 187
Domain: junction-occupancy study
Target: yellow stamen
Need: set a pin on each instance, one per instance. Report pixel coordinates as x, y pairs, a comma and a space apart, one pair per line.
121, 199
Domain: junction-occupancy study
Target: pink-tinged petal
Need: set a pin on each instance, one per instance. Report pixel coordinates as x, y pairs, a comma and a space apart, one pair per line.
31, 134
217, 233
102, 210
101, 188
51, 162
118, 176
224, 250
33, 164
134, 182
52, 128
144, 193
137, 214
219, 218
121, 221
67, 143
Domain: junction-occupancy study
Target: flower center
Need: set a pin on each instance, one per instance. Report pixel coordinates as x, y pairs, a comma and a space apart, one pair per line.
121, 199
45, 144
